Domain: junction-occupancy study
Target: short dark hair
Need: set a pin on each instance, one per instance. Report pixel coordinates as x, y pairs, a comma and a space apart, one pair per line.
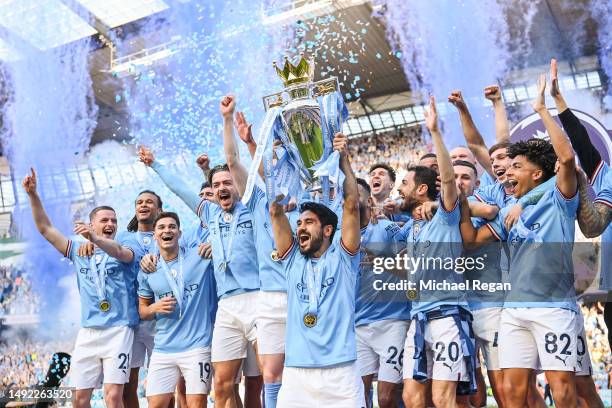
204, 185
168, 214
466, 164
538, 152
497, 146
217, 169
93, 212
385, 166
428, 155
325, 215
425, 175
133, 224
364, 184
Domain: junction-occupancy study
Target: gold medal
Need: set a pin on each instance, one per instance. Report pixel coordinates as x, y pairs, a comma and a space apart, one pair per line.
412, 294
105, 305
310, 320
274, 255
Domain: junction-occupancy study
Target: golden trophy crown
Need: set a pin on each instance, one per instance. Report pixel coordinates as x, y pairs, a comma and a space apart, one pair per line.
291, 74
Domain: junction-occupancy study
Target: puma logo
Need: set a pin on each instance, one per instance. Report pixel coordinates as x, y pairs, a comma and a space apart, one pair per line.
560, 359
449, 367
397, 369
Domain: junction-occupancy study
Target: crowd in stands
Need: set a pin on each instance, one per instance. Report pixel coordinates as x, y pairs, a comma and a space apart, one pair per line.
16, 294
599, 348
397, 148
25, 362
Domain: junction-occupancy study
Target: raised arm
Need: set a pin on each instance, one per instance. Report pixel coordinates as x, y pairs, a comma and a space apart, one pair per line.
232, 155
245, 133
566, 177
473, 138
281, 229
203, 163
593, 218
587, 153
110, 246
174, 183
502, 126
351, 235
448, 188
43, 224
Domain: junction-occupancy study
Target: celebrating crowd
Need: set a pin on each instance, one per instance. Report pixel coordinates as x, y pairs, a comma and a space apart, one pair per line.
16, 294
300, 279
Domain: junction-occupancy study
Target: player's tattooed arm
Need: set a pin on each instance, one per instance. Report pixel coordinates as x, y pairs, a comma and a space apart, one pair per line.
350, 228
472, 136
43, 224
448, 188
593, 218
110, 246
566, 177
502, 126
281, 228
147, 308
230, 147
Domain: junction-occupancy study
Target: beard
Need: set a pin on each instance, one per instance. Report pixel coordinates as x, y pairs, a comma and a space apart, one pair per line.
315, 244
408, 204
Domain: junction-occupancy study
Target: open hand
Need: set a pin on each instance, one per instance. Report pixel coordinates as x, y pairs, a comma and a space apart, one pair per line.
243, 128
145, 155
431, 116
539, 102
85, 230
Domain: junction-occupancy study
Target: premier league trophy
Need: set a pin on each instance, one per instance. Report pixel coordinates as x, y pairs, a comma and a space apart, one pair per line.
295, 140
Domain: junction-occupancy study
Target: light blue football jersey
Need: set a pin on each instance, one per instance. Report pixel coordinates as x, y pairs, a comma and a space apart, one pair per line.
241, 271
271, 273
487, 180
493, 257
120, 290
175, 333
602, 184
540, 244
332, 340
194, 236
375, 305
438, 243
493, 194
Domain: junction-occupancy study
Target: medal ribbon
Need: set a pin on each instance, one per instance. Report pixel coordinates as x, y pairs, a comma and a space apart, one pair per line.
99, 275
264, 138
177, 284
232, 234
313, 281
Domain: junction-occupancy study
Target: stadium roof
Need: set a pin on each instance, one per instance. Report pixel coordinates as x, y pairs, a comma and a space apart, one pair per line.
555, 27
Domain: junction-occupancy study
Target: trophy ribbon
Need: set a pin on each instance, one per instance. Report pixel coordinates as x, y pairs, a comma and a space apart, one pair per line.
333, 114
265, 137
99, 275
177, 284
